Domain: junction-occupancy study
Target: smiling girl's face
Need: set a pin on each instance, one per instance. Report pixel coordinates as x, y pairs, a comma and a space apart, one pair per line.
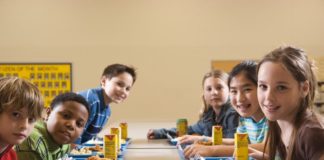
279, 93
243, 96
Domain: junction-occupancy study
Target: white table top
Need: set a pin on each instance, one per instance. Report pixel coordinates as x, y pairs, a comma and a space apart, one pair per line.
151, 154
141, 148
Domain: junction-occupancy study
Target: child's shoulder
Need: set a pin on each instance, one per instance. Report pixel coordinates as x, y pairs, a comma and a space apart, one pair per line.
311, 127
311, 136
34, 140
37, 135
8, 153
312, 120
92, 94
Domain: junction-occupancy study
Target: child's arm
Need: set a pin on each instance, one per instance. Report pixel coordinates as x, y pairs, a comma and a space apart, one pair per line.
209, 151
195, 131
215, 151
228, 141
161, 133
194, 138
257, 146
256, 154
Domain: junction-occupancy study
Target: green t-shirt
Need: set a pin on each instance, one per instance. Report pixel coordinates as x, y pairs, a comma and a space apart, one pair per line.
40, 146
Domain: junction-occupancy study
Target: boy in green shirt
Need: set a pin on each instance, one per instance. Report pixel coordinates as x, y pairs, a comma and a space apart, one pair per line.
51, 140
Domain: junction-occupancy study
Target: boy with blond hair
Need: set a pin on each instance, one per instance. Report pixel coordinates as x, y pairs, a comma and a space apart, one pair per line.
21, 105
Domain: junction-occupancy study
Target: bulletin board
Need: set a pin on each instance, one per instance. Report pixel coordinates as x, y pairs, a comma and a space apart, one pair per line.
51, 78
224, 65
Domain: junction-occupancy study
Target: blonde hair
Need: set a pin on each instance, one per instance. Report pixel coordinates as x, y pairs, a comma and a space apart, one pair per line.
215, 74
16, 93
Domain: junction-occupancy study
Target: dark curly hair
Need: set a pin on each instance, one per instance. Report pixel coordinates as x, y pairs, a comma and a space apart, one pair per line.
69, 96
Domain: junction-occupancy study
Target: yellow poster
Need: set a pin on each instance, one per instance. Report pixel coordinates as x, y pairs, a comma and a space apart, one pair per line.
51, 78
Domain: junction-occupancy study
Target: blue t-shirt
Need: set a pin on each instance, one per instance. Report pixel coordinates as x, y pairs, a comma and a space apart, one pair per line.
99, 114
255, 130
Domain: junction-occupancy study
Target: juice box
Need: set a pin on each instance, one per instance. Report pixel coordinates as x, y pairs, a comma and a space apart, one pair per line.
110, 146
117, 131
182, 127
217, 135
124, 132
241, 146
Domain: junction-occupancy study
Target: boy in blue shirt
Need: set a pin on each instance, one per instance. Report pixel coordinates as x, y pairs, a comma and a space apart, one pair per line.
115, 85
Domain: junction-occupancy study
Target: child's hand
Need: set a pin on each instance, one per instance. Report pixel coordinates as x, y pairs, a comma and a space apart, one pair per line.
150, 134
255, 154
73, 145
197, 149
188, 139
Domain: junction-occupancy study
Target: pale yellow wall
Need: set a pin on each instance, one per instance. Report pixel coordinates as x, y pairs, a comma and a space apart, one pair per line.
171, 42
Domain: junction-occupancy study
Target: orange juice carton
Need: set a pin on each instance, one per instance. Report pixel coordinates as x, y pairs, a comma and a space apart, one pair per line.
217, 135
182, 127
124, 132
241, 146
110, 146
117, 131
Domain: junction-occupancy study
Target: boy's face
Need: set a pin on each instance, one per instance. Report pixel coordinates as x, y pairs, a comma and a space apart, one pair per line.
117, 88
16, 126
66, 122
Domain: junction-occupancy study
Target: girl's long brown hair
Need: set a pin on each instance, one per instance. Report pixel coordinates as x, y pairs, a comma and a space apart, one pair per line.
297, 63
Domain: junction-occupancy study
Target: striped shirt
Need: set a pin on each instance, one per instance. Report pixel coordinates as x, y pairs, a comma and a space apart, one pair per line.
99, 114
256, 130
40, 146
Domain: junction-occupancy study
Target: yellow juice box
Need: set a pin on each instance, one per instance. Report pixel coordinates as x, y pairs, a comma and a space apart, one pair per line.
110, 146
117, 131
182, 127
217, 135
241, 146
123, 127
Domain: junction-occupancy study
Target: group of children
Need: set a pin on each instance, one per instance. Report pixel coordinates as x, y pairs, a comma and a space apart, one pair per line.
271, 101
71, 118
274, 100
216, 111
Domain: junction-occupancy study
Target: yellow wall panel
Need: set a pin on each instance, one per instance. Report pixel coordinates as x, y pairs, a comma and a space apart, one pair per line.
225, 65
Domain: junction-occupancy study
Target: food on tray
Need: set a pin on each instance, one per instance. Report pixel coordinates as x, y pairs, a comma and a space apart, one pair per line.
96, 148
97, 158
84, 150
